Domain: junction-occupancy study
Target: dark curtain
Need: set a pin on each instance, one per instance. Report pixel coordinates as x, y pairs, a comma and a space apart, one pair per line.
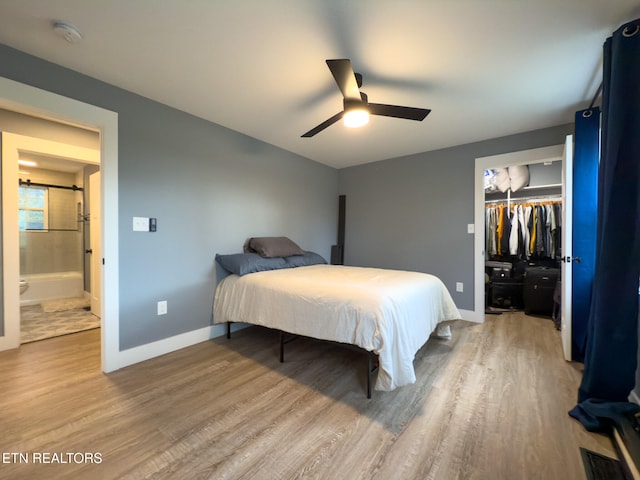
586, 159
612, 331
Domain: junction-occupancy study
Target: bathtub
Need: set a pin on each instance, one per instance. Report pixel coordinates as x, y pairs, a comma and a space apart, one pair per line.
47, 286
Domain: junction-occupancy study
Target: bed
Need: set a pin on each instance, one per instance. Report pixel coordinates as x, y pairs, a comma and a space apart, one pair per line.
389, 313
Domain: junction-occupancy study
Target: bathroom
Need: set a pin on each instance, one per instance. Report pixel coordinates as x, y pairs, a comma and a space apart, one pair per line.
61, 261
53, 240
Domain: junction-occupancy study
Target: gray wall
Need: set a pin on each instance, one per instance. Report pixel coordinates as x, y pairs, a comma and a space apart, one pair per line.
209, 187
541, 174
412, 212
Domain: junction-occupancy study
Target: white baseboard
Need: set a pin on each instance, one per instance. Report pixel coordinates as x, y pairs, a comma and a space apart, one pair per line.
168, 345
471, 316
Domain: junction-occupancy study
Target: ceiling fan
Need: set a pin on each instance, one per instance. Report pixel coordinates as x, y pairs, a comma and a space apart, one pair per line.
356, 104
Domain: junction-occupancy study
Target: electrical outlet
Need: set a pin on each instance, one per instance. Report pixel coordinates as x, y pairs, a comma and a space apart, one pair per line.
162, 307
459, 287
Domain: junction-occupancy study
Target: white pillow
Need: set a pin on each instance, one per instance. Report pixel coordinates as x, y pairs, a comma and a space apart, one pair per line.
519, 175
502, 180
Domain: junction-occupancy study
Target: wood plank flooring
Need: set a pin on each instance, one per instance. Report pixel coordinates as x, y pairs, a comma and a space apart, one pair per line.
489, 404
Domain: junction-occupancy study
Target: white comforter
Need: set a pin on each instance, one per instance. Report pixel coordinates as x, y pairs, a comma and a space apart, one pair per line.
389, 312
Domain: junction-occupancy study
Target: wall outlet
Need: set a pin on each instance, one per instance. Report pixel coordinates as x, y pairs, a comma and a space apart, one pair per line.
162, 307
459, 287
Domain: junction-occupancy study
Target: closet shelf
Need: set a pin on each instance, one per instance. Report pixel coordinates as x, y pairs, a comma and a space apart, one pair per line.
539, 187
550, 190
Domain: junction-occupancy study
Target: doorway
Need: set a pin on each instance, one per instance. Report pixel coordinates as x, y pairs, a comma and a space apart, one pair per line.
55, 204
40, 182
523, 207
526, 157
38, 103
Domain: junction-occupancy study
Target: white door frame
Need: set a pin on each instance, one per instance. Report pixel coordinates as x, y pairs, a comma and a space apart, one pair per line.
566, 272
33, 101
524, 157
95, 260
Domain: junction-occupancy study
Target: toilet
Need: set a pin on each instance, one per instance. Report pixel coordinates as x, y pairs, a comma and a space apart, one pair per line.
24, 285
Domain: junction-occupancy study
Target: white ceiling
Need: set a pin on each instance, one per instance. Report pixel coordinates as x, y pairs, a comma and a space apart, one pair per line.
51, 162
486, 68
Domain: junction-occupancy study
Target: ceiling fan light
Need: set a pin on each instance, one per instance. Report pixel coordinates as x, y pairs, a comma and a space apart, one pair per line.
357, 117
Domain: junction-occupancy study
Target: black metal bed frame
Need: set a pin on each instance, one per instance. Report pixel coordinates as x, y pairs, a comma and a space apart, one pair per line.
372, 358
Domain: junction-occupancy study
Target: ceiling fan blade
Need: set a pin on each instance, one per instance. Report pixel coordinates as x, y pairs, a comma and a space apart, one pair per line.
323, 125
409, 113
342, 72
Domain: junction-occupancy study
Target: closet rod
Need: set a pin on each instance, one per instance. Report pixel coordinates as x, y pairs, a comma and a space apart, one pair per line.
525, 200
29, 183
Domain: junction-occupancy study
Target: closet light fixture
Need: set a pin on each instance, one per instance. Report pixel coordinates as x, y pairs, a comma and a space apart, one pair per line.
27, 163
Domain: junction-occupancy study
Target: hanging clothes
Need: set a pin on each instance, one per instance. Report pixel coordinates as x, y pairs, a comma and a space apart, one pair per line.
491, 224
524, 230
499, 228
540, 230
526, 239
514, 234
506, 232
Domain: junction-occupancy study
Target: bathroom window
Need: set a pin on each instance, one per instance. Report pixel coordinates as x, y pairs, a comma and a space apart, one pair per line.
33, 211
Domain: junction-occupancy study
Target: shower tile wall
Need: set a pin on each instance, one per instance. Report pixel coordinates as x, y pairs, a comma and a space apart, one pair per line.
54, 251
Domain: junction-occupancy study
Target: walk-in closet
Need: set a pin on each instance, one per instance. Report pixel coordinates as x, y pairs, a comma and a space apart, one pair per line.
523, 232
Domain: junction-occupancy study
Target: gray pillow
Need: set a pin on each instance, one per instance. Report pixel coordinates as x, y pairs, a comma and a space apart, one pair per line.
244, 263
308, 258
273, 247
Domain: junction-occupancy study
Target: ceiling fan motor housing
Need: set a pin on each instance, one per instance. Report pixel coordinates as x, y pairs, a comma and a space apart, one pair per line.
350, 104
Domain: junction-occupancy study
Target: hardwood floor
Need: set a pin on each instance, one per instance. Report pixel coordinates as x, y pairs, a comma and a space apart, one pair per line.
489, 404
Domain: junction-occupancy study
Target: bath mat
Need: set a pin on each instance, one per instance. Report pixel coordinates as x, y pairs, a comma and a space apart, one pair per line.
64, 304
38, 325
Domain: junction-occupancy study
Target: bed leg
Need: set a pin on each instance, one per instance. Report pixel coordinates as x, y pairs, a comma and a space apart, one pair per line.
369, 367
228, 329
372, 366
281, 347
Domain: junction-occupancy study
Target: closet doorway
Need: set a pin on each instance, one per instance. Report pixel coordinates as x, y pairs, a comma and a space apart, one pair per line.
523, 227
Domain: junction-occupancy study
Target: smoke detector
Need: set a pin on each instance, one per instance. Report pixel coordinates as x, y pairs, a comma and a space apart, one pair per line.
67, 31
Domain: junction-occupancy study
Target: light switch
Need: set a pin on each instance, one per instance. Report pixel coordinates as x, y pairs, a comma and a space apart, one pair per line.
471, 228
140, 224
